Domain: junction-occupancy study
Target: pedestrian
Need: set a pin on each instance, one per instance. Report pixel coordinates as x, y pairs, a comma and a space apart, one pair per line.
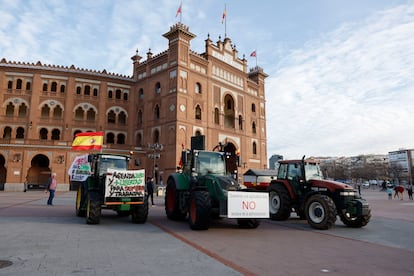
400, 190
410, 191
51, 187
150, 189
359, 188
396, 192
389, 192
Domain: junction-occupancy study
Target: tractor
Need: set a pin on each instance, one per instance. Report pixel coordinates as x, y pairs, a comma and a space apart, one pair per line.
300, 187
104, 182
202, 191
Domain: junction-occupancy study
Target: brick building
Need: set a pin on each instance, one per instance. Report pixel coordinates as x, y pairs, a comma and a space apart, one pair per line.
170, 97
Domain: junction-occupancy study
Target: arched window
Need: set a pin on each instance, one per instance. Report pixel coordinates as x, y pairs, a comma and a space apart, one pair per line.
216, 116
110, 94
45, 111
141, 93
90, 114
157, 112
22, 110
118, 94
10, 109
10, 84
122, 118
198, 112
19, 84
229, 114
55, 134
87, 91
53, 88
79, 113
254, 148
43, 134
125, 96
45, 87
57, 112
254, 127
158, 88
140, 119
253, 107
139, 139
120, 139
62, 88
78, 90
198, 88
111, 117
240, 122
28, 86
198, 133
156, 136
20, 133
95, 92
110, 138
7, 132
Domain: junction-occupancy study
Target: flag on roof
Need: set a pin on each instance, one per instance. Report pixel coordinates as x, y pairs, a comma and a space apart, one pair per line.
178, 10
253, 54
223, 17
88, 141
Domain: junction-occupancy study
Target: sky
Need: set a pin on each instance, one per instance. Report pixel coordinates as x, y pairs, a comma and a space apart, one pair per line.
341, 73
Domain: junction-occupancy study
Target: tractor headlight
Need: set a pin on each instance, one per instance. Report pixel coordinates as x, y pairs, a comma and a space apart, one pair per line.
349, 193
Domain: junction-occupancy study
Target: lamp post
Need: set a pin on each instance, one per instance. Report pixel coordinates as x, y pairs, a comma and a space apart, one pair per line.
155, 154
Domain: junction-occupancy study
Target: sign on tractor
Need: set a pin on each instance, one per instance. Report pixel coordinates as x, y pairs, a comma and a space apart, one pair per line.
248, 205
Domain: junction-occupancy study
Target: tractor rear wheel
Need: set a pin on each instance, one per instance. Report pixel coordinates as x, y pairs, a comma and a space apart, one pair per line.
172, 202
279, 203
139, 213
80, 201
93, 209
320, 212
200, 210
248, 223
355, 222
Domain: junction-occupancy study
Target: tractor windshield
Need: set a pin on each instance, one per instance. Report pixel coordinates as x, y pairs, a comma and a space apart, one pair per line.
312, 171
210, 163
112, 162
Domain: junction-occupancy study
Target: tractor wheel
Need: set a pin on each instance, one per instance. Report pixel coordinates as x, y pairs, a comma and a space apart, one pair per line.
248, 223
139, 213
172, 202
80, 201
320, 212
200, 210
93, 209
279, 203
355, 222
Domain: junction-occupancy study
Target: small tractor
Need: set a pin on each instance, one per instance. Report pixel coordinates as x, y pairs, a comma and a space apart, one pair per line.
300, 187
104, 182
203, 191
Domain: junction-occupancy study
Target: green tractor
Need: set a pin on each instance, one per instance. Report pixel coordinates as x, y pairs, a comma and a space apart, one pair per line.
104, 182
203, 190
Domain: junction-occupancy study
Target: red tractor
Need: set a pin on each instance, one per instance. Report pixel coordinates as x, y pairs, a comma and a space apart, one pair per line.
300, 187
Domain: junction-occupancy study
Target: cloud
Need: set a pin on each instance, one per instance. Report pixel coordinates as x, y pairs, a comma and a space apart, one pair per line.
349, 92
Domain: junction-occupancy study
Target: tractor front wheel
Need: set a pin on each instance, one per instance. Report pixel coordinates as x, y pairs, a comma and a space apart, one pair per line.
200, 210
320, 212
172, 202
80, 201
93, 209
139, 213
279, 203
355, 222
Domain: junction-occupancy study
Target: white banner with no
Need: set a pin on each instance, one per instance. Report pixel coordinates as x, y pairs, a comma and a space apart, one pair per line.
248, 205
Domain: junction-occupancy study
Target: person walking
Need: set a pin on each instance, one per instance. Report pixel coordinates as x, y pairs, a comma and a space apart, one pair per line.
400, 190
150, 189
51, 187
389, 192
410, 191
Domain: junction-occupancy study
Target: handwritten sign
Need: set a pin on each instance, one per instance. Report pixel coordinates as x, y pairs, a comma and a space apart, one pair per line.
80, 169
248, 205
125, 183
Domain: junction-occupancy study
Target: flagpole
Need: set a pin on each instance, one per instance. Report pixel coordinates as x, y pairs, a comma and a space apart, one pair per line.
225, 21
181, 11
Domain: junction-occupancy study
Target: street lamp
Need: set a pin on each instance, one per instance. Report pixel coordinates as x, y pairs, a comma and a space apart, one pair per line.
155, 154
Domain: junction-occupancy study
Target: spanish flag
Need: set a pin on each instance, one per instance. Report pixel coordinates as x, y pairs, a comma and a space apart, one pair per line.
88, 141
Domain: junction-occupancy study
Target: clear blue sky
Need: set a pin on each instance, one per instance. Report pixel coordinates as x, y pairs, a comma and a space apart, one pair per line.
341, 73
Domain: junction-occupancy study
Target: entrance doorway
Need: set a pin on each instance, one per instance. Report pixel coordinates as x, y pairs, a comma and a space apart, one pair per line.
3, 172
38, 173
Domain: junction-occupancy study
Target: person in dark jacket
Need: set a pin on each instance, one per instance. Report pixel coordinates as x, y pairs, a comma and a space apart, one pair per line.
150, 189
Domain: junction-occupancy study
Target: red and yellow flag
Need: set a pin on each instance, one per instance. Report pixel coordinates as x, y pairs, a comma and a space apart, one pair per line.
88, 141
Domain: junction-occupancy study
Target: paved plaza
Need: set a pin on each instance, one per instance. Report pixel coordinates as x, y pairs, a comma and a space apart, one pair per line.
36, 239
